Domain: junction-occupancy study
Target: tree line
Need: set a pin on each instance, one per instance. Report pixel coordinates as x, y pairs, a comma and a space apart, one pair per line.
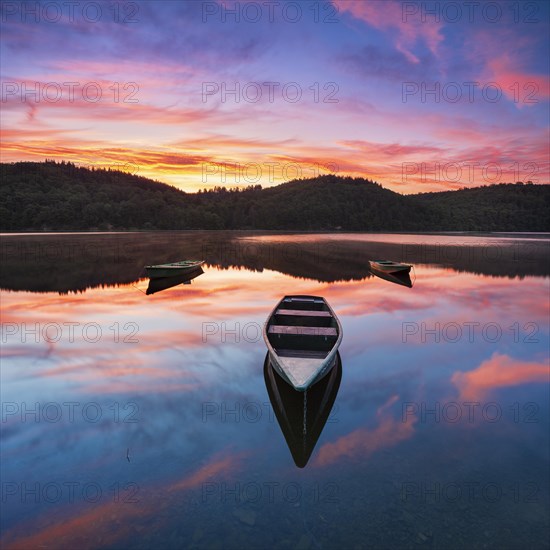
62, 196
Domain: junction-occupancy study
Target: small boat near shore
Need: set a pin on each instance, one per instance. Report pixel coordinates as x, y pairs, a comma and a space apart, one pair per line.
387, 266
173, 269
302, 335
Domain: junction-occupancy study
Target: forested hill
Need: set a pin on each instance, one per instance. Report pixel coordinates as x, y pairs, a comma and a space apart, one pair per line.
62, 196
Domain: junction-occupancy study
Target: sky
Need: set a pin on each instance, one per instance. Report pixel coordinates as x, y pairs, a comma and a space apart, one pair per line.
418, 96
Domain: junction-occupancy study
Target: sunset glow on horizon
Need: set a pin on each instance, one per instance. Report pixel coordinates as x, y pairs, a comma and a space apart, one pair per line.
416, 96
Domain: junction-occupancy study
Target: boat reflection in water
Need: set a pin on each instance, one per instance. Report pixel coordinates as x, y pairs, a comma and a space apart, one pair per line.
302, 415
156, 285
399, 277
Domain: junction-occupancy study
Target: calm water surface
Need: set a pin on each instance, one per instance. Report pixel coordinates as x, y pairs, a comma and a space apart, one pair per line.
137, 421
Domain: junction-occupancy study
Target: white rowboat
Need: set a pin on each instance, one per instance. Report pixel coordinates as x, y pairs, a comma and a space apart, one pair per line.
302, 334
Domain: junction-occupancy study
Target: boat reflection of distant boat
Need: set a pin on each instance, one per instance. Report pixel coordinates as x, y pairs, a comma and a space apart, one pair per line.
302, 415
156, 285
399, 277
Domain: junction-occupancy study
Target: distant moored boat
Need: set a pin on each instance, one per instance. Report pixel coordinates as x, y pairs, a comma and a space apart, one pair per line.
387, 266
173, 269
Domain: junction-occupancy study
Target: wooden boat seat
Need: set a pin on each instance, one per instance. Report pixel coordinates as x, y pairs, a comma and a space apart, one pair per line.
303, 304
300, 353
302, 335
302, 331
303, 313
304, 299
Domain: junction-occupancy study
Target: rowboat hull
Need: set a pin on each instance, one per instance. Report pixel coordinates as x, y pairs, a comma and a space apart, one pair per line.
302, 335
384, 266
172, 270
289, 365
302, 415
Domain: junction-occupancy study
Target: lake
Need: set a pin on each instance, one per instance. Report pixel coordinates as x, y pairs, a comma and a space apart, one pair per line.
133, 420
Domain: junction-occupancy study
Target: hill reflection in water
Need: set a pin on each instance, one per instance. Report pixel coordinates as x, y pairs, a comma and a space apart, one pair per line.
75, 262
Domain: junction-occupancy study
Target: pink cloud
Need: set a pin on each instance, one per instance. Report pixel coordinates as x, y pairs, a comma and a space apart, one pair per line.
507, 67
497, 372
78, 529
390, 16
522, 87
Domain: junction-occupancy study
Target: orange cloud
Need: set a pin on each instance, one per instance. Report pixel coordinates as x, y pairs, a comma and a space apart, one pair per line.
364, 442
218, 159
